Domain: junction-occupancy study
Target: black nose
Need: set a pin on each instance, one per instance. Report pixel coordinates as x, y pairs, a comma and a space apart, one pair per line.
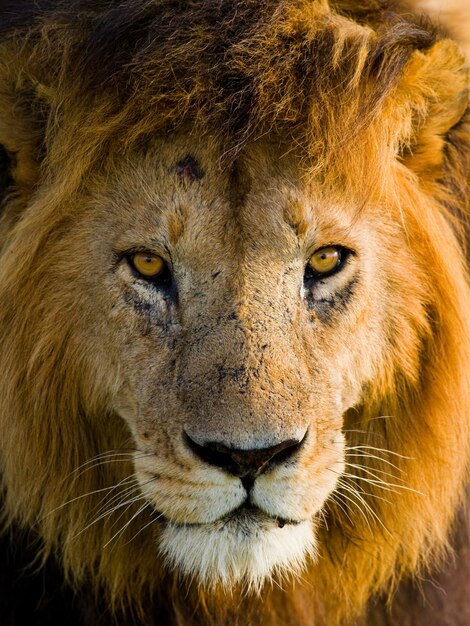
244, 463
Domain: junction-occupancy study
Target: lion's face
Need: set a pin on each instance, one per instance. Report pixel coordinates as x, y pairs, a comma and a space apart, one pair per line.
236, 346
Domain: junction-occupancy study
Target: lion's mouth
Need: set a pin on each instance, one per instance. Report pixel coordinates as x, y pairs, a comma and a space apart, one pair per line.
249, 513
246, 546
246, 516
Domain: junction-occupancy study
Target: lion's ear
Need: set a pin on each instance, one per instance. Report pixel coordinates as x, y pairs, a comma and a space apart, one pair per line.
23, 112
435, 92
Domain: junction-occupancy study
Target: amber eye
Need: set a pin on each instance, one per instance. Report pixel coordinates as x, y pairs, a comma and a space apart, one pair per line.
148, 265
325, 261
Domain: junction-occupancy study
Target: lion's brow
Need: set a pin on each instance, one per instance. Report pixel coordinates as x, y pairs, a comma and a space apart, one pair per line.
294, 216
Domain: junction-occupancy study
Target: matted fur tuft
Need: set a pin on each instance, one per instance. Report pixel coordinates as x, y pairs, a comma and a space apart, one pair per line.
375, 103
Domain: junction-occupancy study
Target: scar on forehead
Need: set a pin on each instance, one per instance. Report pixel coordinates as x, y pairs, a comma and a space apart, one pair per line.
294, 215
189, 169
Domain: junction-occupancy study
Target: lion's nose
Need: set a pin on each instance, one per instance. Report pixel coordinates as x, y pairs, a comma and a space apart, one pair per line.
247, 464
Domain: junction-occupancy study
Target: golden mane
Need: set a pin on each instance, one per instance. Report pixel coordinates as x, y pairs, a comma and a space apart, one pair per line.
385, 91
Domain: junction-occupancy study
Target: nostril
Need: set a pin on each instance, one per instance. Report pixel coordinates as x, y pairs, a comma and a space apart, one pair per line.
211, 453
244, 463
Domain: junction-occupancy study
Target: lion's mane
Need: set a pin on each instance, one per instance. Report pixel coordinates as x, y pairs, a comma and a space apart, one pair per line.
351, 86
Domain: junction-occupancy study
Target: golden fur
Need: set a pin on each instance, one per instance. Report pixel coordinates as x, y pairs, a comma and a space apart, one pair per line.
319, 121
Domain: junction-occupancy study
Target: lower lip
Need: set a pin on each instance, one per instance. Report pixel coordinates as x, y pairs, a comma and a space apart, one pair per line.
252, 514
244, 513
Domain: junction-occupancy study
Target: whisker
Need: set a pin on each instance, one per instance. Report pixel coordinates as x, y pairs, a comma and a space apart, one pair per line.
360, 451
376, 449
382, 484
118, 497
102, 516
334, 497
364, 432
88, 466
322, 515
355, 493
343, 495
97, 457
122, 496
89, 493
368, 471
127, 524
152, 521
129, 503
365, 493
366, 455
123, 503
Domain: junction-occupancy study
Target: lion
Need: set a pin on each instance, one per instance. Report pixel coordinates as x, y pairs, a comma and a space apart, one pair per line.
234, 322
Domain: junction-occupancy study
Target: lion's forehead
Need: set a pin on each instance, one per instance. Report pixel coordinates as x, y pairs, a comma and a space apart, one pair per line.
263, 208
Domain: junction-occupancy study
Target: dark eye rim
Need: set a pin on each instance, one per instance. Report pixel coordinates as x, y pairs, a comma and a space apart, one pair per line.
163, 279
311, 276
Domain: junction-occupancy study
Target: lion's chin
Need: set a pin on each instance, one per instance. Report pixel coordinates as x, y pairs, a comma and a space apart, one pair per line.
246, 549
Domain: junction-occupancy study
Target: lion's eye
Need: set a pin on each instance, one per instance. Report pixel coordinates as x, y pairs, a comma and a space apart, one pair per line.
325, 261
148, 265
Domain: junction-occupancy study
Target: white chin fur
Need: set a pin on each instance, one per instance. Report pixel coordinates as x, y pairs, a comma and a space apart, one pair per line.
248, 550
